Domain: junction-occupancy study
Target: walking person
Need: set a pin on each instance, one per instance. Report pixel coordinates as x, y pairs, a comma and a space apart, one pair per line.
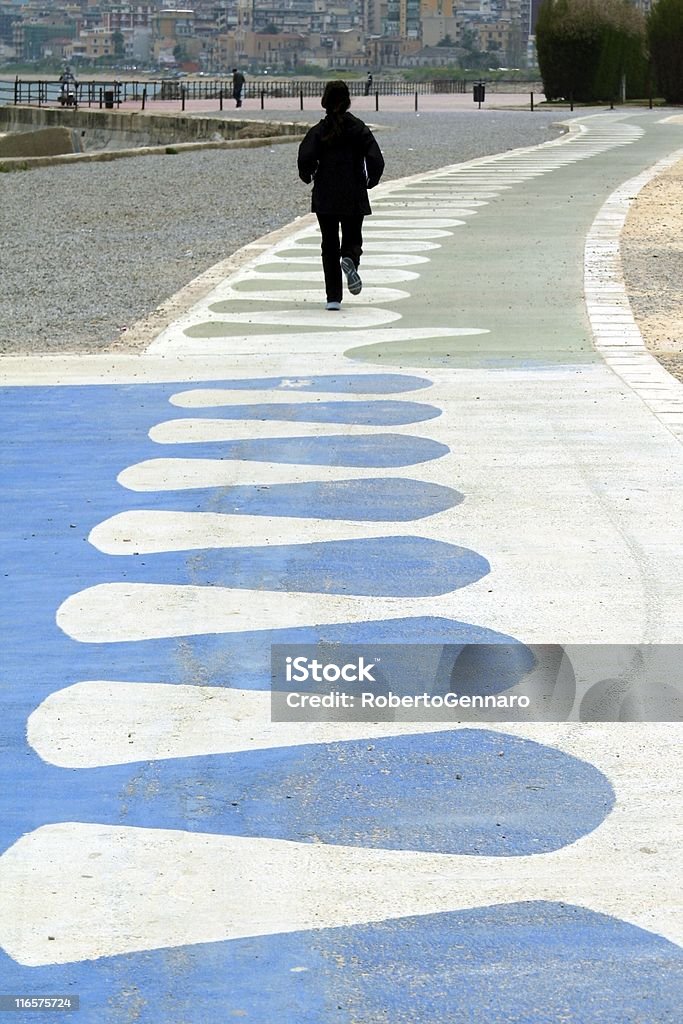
342, 158
368, 83
237, 86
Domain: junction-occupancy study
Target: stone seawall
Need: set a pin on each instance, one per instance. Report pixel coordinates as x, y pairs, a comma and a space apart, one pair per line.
41, 142
129, 128
108, 135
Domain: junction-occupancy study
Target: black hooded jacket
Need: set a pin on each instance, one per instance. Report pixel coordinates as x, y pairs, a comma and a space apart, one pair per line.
342, 166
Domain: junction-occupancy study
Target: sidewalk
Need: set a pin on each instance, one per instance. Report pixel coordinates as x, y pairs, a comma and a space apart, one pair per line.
450, 459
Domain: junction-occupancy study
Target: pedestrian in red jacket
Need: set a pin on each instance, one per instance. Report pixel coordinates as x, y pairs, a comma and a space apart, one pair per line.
342, 158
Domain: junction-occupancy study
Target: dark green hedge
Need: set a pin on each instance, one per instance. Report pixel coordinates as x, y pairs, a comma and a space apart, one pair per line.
665, 40
585, 47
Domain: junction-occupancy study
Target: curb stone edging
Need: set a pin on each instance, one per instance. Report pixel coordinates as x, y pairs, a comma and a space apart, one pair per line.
615, 332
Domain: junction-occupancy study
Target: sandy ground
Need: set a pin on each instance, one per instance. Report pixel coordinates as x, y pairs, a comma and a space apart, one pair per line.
651, 250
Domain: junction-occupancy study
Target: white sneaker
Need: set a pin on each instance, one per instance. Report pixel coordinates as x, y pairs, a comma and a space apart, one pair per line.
352, 276
333, 305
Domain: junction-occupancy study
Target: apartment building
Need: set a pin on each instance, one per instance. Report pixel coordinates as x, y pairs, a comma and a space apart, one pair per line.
125, 17
41, 30
439, 21
173, 36
363, 33
403, 19
92, 44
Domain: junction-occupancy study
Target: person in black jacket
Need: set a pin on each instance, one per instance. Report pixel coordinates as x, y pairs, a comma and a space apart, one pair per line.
237, 86
342, 158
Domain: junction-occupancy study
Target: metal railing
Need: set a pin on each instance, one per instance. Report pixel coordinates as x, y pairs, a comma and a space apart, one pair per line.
98, 93
91, 93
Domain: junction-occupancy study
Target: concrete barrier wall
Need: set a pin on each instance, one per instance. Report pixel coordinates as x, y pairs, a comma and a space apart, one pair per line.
100, 128
43, 142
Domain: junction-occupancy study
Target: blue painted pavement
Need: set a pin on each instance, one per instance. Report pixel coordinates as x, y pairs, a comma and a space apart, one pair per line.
392, 566
64, 448
525, 794
569, 965
364, 450
372, 499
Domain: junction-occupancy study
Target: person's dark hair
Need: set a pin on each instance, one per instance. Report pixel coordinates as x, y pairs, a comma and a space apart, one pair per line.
336, 101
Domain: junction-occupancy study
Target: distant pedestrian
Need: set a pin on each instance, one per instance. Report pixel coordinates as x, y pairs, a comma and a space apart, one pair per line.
342, 158
237, 86
68, 88
368, 84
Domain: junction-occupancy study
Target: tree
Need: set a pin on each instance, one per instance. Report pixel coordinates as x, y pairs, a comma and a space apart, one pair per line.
665, 42
119, 44
472, 58
468, 40
516, 54
585, 47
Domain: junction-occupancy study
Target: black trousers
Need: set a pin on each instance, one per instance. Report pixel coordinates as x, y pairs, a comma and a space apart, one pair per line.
332, 251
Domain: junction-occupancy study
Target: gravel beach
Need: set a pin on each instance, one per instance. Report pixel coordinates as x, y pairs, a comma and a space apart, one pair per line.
90, 249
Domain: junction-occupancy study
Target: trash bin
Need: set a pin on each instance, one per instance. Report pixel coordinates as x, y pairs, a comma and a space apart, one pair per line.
479, 92
109, 98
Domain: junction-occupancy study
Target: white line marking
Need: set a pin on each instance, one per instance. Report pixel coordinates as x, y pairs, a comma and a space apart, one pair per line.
200, 431
184, 474
105, 722
351, 316
367, 297
208, 398
148, 530
118, 612
377, 276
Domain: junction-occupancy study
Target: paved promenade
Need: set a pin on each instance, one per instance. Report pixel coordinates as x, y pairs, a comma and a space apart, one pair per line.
364, 106
475, 449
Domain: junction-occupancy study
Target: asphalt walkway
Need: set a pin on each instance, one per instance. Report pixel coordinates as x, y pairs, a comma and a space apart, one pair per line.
476, 449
